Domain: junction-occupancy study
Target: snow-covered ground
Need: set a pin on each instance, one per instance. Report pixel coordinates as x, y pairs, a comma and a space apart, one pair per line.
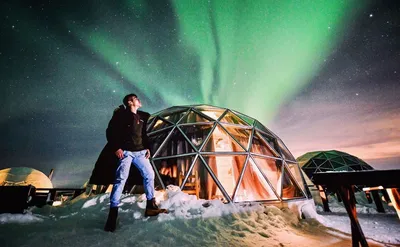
191, 222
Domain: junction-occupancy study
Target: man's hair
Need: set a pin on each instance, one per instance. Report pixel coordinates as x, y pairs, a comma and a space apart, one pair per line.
127, 98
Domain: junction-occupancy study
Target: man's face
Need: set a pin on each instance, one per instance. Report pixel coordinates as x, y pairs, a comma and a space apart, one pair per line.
135, 101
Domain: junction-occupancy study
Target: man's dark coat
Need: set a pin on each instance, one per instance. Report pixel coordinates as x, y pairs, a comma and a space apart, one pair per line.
106, 165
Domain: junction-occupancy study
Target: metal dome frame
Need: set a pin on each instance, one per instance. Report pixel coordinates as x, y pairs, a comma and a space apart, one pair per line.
205, 139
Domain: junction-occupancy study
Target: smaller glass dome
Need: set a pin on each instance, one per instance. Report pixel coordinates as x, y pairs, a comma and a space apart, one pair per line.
333, 160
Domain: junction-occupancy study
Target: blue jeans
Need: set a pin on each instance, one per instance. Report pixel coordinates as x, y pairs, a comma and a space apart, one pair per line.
146, 170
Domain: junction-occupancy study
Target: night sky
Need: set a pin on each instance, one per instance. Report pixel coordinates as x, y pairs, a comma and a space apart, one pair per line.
321, 74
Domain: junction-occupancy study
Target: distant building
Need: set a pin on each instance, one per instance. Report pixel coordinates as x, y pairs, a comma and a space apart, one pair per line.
333, 160
22, 176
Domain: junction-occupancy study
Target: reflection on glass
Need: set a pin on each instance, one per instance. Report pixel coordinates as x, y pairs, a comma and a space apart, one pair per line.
176, 144
159, 124
289, 188
271, 168
242, 135
261, 127
213, 113
208, 188
220, 141
285, 151
193, 117
227, 169
270, 140
174, 117
249, 120
295, 170
253, 186
157, 139
229, 117
173, 169
197, 133
258, 146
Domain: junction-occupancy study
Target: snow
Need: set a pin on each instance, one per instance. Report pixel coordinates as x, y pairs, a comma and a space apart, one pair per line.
190, 222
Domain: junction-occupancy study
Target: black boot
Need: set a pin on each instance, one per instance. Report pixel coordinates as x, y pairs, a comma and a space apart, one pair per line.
111, 224
152, 209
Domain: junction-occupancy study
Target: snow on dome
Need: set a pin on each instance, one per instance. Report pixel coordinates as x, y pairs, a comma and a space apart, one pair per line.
21, 176
218, 153
328, 161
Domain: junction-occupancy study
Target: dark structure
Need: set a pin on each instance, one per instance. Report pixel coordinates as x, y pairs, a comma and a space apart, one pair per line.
333, 160
343, 183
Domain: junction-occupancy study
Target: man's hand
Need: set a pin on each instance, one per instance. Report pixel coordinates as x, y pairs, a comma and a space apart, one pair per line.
147, 153
119, 153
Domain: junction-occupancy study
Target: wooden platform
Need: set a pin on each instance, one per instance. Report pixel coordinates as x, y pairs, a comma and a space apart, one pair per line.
343, 183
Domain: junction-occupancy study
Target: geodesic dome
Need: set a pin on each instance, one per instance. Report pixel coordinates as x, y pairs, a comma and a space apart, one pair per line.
214, 152
22, 176
333, 160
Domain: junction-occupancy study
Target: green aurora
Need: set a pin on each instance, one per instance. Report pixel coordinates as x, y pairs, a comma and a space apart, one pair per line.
250, 56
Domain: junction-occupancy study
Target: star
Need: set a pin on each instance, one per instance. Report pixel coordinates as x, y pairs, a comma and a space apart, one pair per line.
371, 15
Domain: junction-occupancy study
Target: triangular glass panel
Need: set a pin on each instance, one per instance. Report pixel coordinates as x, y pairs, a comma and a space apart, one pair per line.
366, 167
285, 151
230, 117
196, 133
261, 127
174, 117
271, 168
199, 182
356, 167
221, 141
175, 144
249, 120
352, 158
349, 168
194, 117
259, 146
296, 174
339, 159
320, 155
242, 135
271, 141
227, 169
309, 165
254, 186
157, 139
159, 124
330, 156
327, 165
349, 161
335, 165
290, 189
212, 112
319, 162
172, 170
